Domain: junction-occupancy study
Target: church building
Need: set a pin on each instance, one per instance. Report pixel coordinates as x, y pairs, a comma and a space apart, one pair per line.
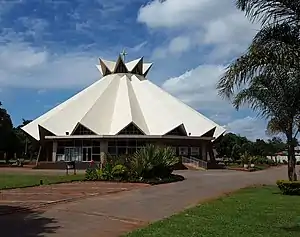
118, 114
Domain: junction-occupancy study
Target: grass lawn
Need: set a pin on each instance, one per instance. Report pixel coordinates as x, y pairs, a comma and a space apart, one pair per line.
23, 180
260, 211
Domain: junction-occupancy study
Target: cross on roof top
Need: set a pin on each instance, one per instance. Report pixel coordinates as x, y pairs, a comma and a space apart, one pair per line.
123, 53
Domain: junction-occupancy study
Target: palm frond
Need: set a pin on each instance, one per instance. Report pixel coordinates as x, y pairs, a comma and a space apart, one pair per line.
266, 11
273, 48
276, 125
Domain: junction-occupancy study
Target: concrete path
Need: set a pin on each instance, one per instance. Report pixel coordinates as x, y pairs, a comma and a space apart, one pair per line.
46, 195
116, 214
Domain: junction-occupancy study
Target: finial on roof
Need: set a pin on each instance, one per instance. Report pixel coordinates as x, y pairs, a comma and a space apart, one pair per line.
123, 54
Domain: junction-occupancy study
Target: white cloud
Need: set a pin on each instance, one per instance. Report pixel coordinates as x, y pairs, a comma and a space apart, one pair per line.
172, 13
201, 23
251, 127
21, 65
138, 47
197, 88
179, 44
220, 32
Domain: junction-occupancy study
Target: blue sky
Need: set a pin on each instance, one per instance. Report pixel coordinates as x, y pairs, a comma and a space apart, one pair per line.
49, 48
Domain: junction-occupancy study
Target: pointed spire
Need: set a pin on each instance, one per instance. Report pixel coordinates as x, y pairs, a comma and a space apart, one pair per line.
131, 65
120, 66
138, 69
146, 68
105, 67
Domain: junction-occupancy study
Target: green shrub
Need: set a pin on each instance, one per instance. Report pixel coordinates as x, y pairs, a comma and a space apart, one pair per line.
149, 163
107, 173
119, 171
289, 187
99, 174
153, 161
239, 162
245, 158
91, 173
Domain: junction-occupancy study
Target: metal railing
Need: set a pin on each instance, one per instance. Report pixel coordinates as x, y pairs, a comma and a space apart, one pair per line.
195, 162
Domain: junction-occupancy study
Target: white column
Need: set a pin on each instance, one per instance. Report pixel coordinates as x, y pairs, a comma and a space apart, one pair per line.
54, 150
103, 151
103, 146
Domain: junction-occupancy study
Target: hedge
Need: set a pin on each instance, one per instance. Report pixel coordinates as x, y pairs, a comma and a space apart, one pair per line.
289, 187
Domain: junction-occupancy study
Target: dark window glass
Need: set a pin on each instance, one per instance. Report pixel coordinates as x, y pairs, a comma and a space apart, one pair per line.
81, 130
96, 157
112, 143
60, 150
121, 143
96, 150
121, 150
130, 129
131, 150
112, 150
177, 132
132, 143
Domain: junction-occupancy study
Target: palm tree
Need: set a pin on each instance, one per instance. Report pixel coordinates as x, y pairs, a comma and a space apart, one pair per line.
267, 76
279, 125
276, 97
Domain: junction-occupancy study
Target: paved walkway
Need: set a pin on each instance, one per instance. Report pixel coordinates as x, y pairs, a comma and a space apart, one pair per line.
115, 214
46, 195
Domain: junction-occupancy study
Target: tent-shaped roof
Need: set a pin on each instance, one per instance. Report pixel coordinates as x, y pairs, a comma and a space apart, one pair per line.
122, 97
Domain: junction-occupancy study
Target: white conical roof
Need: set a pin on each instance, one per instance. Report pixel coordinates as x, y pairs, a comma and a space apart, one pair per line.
121, 97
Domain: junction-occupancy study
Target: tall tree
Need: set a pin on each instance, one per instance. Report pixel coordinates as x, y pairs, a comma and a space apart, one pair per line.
26, 146
6, 134
267, 76
276, 96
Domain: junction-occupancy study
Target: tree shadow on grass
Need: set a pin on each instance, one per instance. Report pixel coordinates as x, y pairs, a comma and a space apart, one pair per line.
18, 221
295, 228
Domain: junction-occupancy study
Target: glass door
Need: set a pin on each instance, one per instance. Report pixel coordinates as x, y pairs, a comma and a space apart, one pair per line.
86, 153
73, 154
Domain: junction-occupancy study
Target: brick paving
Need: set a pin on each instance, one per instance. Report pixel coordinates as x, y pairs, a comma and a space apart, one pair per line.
115, 214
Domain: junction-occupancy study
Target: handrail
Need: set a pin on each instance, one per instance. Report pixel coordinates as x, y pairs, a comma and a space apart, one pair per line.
194, 161
202, 163
190, 161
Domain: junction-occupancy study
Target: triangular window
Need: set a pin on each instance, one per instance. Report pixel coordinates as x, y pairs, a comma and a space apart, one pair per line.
138, 69
104, 68
81, 130
178, 131
44, 132
120, 66
210, 133
131, 129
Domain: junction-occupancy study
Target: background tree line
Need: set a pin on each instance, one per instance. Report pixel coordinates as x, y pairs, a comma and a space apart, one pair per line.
233, 146
13, 140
